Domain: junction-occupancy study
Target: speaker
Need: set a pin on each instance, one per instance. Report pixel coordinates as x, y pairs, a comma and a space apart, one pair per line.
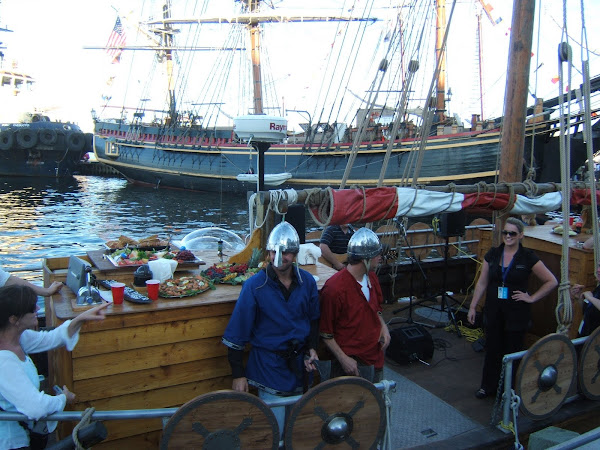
410, 343
296, 218
452, 224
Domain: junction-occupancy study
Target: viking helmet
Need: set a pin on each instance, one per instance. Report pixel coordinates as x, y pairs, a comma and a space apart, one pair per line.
364, 244
283, 238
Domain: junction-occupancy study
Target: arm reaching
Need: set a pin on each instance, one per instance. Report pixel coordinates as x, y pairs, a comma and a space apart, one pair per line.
96, 313
45, 292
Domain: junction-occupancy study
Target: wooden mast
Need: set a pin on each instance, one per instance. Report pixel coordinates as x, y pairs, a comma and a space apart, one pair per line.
168, 40
517, 83
441, 56
252, 5
515, 99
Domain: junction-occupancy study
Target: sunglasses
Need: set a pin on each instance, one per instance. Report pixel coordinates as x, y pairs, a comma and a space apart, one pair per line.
509, 233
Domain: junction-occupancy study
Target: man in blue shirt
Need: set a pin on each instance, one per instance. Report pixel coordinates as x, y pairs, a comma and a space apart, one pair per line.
277, 312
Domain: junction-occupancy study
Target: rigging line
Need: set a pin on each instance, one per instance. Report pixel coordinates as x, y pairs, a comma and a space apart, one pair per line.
531, 170
349, 65
564, 302
412, 69
427, 125
588, 133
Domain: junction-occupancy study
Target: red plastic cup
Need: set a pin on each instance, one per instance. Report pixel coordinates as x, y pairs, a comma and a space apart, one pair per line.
571, 221
152, 286
118, 291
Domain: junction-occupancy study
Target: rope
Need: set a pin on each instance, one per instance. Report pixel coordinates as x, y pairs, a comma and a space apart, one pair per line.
515, 402
564, 308
86, 418
387, 437
511, 201
325, 207
587, 134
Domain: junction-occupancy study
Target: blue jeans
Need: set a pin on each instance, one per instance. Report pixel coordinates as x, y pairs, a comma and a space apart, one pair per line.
278, 411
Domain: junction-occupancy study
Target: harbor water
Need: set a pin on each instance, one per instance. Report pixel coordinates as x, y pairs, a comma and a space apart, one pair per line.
42, 218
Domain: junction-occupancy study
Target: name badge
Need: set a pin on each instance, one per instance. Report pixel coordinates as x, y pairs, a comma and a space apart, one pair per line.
503, 292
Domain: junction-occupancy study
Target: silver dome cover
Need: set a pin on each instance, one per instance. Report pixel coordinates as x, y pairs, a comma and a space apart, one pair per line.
284, 238
364, 244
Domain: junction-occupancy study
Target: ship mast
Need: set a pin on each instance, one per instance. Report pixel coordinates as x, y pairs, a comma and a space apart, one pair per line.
253, 25
168, 42
253, 18
440, 55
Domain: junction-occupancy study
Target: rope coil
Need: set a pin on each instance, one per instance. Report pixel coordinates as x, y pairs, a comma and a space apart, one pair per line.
86, 419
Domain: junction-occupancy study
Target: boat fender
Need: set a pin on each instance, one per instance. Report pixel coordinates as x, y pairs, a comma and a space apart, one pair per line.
6, 139
75, 141
26, 138
48, 137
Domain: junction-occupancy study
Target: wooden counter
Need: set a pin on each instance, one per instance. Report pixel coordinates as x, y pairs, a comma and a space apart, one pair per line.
548, 247
157, 355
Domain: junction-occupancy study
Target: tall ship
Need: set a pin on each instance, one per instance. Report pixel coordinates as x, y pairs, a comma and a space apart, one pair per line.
31, 144
396, 130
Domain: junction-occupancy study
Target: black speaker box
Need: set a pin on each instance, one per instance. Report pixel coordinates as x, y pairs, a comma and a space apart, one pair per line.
452, 224
410, 343
295, 216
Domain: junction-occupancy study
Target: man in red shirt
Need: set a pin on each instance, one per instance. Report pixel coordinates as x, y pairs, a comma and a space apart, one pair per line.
351, 324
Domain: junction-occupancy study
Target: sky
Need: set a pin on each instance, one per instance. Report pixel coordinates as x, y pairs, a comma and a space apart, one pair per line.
53, 45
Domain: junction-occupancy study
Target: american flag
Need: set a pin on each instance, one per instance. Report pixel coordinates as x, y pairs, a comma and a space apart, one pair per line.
116, 42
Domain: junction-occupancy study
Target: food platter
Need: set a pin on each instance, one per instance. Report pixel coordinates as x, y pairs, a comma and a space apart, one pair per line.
559, 230
184, 286
149, 243
137, 257
233, 274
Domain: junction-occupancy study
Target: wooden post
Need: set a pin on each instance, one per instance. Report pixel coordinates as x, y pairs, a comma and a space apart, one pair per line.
515, 100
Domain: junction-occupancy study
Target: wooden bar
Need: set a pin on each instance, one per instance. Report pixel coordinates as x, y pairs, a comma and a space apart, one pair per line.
157, 355
548, 247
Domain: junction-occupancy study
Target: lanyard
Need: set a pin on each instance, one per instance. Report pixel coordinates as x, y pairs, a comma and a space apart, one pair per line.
505, 270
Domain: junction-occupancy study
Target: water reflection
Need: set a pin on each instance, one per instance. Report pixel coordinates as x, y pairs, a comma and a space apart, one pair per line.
49, 218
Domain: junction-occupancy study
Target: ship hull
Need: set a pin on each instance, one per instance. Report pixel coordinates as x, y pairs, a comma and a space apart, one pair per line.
188, 159
42, 149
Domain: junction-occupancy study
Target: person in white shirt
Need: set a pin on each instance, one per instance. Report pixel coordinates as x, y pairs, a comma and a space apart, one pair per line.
6, 279
19, 381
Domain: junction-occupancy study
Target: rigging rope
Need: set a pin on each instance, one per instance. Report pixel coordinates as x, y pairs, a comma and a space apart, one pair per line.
564, 311
429, 115
588, 134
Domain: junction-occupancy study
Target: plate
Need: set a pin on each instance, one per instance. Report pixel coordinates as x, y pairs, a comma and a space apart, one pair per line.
184, 287
571, 233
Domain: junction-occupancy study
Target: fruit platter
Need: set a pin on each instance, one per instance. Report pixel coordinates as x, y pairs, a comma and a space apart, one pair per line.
137, 257
229, 273
184, 286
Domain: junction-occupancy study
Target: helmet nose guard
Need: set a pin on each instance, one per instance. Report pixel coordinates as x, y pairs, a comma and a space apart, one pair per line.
282, 239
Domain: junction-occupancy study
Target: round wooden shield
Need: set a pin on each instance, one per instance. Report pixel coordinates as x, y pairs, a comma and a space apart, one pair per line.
222, 419
546, 375
589, 366
344, 412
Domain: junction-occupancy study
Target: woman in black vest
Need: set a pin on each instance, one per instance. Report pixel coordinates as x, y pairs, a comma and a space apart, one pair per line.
507, 313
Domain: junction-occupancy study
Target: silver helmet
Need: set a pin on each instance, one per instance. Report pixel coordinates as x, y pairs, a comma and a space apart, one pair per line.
364, 244
284, 238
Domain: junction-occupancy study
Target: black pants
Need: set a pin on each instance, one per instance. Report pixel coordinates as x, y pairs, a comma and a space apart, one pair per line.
498, 342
